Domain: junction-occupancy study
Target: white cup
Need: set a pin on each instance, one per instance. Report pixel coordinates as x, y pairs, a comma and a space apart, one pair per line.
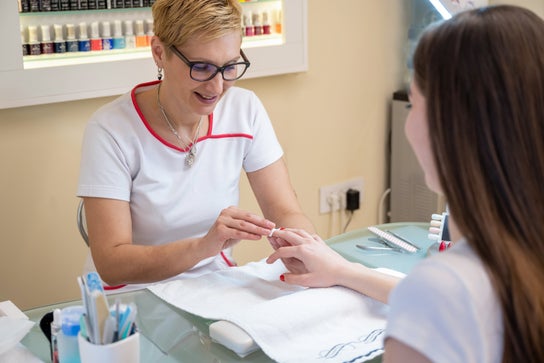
124, 350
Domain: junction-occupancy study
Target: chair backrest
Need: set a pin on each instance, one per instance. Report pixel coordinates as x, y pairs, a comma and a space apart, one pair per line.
81, 224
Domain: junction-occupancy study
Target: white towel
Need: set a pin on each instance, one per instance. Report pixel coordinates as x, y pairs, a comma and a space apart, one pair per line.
289, 323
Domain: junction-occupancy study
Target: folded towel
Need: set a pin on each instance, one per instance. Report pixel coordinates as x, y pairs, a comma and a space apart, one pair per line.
289, 323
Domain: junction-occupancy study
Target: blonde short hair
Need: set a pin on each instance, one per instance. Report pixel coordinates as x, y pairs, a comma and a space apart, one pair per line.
176, 21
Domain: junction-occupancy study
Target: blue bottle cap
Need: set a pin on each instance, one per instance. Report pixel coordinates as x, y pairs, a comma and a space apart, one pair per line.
70, 319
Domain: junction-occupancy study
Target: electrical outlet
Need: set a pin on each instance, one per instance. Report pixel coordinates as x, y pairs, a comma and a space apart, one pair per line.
340, 189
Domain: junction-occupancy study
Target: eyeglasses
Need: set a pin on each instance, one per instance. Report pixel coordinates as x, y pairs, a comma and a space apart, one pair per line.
202, 71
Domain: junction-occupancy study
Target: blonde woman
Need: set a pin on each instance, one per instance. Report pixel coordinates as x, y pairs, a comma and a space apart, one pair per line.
160, 166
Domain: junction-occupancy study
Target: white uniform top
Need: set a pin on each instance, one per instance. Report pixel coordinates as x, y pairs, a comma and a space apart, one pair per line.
123, 158
447, 309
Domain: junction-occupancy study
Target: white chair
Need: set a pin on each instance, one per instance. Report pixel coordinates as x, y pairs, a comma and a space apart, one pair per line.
81, 224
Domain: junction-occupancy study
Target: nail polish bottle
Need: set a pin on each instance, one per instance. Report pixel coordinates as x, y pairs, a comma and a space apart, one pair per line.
266, 24
279, 21
96, 41
45, 5
130, 39
118, 41
72, 45
25, 6
83, 42
55, 5
34, 6
257, 24
24, 42
46, 44
107, 41
248, 24
149, 30
64, 5
59, 44
141, 38
33, 43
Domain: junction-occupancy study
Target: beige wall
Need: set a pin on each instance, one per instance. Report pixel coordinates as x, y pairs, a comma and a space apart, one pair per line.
332, 124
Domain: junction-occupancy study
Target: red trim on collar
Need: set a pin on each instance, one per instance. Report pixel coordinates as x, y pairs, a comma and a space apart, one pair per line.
209, 134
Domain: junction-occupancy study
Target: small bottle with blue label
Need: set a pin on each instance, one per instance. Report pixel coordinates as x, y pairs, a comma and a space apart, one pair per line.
107, 41
84, 43
118, 41
60, 44
72, 44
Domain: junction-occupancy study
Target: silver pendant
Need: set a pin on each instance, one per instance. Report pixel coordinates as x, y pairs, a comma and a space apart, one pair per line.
190, 158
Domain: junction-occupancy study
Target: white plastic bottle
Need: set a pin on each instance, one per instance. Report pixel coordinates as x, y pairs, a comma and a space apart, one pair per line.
67, 339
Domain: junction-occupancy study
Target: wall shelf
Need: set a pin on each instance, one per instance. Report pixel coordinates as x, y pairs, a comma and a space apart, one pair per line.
33, 80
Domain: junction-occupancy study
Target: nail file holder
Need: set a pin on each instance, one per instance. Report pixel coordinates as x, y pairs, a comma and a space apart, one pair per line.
393, 241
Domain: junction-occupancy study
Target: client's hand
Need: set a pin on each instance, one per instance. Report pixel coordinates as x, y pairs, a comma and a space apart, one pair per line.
309, 260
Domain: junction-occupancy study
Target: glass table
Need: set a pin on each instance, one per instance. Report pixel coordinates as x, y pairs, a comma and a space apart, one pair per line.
169, 334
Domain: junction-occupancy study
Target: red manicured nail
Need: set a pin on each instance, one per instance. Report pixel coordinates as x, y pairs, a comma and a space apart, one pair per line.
282, 277
442, 246
281, 228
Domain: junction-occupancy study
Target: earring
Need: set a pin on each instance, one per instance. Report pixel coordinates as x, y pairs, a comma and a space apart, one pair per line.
159, 73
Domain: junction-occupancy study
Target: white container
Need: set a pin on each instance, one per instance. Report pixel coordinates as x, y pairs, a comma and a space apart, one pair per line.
125, 350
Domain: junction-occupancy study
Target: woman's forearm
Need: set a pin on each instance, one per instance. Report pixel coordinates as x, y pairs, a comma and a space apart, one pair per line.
367, 281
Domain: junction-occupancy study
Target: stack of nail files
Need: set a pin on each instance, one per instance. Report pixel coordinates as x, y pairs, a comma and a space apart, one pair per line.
100, 324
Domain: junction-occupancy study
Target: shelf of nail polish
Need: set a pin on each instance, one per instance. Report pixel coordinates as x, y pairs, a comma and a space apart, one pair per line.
35, 69
83, 37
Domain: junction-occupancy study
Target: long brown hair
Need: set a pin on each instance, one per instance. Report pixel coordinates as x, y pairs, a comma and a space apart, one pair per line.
482, 75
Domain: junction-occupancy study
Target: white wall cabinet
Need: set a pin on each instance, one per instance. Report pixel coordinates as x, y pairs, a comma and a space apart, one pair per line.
25, 82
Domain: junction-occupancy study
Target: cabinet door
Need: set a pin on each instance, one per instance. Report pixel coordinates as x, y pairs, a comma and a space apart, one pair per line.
28, 83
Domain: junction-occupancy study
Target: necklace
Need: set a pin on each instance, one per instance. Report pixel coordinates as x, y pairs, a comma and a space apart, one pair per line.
191, 154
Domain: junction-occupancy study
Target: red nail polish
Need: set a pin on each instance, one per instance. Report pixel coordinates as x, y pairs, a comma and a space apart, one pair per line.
442, 246
282, 277
281, 228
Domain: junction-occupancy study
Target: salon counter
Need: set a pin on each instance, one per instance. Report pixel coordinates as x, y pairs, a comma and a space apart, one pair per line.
169, 334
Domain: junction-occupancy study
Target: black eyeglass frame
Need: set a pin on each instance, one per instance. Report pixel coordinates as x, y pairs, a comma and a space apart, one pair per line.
218, 69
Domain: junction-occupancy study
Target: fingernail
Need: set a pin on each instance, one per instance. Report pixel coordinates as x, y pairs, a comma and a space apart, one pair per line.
282, 277
281, 228
442, 246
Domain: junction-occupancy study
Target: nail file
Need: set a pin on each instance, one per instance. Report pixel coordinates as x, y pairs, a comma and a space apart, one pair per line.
232, 337
393, 240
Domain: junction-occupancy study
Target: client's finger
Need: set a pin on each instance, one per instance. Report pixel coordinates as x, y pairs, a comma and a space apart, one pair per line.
283, 252
294, 236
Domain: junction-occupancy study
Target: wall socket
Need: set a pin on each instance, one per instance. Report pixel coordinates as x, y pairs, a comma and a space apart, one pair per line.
340, 189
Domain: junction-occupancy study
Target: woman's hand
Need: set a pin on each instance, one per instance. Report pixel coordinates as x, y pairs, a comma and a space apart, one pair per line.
309, 260
233, 225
